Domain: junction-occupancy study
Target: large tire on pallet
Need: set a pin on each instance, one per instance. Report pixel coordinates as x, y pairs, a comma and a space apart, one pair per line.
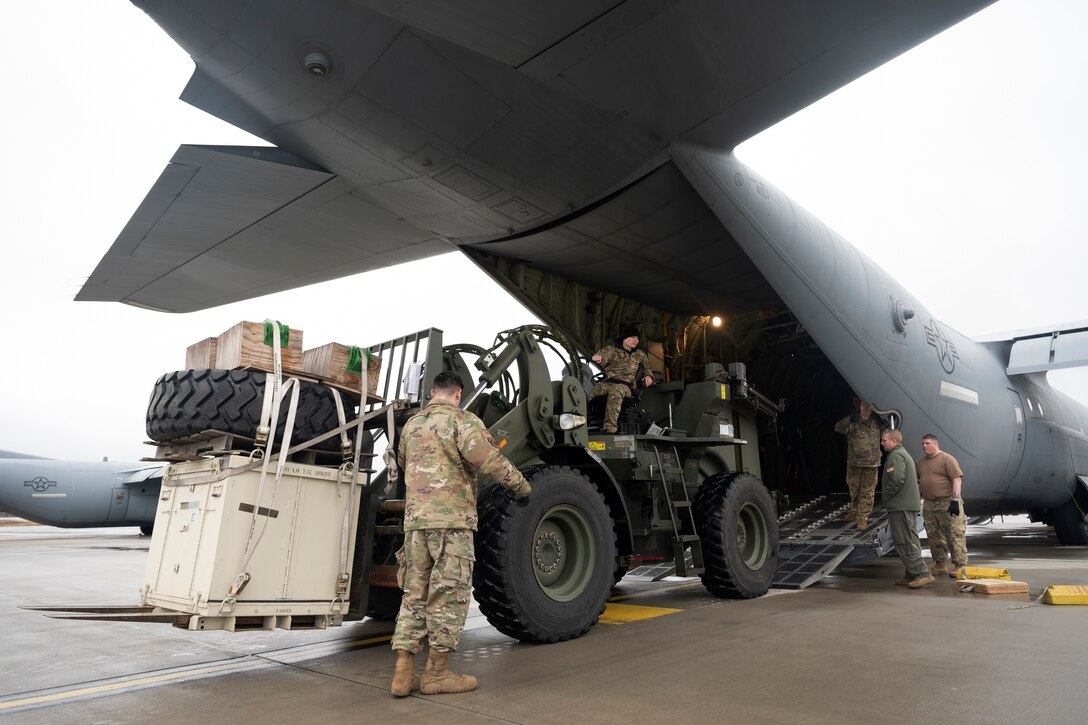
544, 566
1070, 524
736, 522
187, 402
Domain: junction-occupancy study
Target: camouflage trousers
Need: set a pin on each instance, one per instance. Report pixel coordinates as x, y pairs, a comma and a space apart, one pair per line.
861, 482
616, 392
945, 533
435, 572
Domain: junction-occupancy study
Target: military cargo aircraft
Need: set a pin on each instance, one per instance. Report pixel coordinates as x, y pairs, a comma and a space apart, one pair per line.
74, 494
581, 153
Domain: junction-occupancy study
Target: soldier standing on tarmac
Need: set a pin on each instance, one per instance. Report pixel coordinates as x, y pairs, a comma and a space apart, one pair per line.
442, 448
902, 502
621, 362
862, 431
941, 481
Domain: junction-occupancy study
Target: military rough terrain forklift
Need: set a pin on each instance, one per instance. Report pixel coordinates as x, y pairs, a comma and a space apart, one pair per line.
670, 486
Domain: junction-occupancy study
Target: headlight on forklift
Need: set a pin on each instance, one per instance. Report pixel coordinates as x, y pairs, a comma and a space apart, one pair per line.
570, 421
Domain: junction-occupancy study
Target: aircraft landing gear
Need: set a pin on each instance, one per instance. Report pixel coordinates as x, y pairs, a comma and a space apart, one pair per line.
1070, 524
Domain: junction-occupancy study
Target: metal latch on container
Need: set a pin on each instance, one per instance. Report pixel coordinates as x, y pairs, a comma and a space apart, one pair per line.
239, 584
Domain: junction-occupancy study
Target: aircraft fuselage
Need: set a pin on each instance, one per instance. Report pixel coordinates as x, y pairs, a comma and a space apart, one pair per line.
74, 494
1020, 442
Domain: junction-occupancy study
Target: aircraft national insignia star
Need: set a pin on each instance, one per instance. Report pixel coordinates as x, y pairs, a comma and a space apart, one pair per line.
946, 349
40, 484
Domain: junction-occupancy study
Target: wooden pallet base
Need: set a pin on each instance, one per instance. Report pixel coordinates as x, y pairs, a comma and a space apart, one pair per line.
215, 443
993, 586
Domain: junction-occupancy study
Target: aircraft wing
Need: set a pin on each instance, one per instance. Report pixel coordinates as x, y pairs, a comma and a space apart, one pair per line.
1039, 349
143, 474
403, 130
224, 224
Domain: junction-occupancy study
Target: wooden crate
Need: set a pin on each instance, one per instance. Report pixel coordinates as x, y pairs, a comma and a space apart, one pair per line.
201, 354
993, 586
243, 346
330, 362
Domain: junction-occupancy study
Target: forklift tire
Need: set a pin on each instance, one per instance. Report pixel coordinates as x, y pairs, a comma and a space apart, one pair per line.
187, 402
1070, 524
736, 521
383, 603
544, 566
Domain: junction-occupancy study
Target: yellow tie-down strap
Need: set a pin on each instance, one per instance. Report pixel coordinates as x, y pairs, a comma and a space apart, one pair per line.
1066, 594
982, 572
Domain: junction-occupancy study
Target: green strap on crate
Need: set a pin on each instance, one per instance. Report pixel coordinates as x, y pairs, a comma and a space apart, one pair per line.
355, 360
285, 333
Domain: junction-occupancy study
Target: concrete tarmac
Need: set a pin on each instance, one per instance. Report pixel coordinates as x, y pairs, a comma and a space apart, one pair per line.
853, 648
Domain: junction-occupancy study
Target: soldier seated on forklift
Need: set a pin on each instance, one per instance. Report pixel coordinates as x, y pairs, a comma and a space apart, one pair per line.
622, 364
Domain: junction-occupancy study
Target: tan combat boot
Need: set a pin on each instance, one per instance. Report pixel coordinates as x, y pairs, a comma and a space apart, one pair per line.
405, 679
850, 516
863, 524
940, 567
903, 582
438, 680
921, 581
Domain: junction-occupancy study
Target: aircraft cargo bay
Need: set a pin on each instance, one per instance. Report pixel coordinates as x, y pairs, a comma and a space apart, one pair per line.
664, 651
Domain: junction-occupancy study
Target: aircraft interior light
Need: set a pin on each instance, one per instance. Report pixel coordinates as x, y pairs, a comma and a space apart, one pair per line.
716, 321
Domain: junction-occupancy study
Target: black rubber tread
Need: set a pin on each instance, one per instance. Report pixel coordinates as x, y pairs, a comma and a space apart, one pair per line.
504, 582
1070, 524
186, 402
717, 504
383, 603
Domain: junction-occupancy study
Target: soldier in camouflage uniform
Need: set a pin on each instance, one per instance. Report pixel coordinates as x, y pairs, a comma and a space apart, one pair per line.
442, 449
622, 362
862, 431
941, 481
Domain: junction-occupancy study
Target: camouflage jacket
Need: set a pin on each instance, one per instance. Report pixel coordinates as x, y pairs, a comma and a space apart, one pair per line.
862, 440
442, 449
618, 364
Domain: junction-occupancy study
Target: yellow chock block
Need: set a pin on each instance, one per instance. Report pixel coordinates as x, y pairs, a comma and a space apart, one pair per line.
982, 572
624, 613
1066, 594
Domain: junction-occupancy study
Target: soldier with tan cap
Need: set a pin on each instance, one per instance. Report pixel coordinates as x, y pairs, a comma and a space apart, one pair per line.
442, 448
862, 431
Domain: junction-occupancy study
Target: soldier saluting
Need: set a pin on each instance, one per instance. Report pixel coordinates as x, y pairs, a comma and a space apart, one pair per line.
862, 431
622, 363
442, 448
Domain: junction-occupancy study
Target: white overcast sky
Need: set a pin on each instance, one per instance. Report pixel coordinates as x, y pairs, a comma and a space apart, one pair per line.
960, 167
